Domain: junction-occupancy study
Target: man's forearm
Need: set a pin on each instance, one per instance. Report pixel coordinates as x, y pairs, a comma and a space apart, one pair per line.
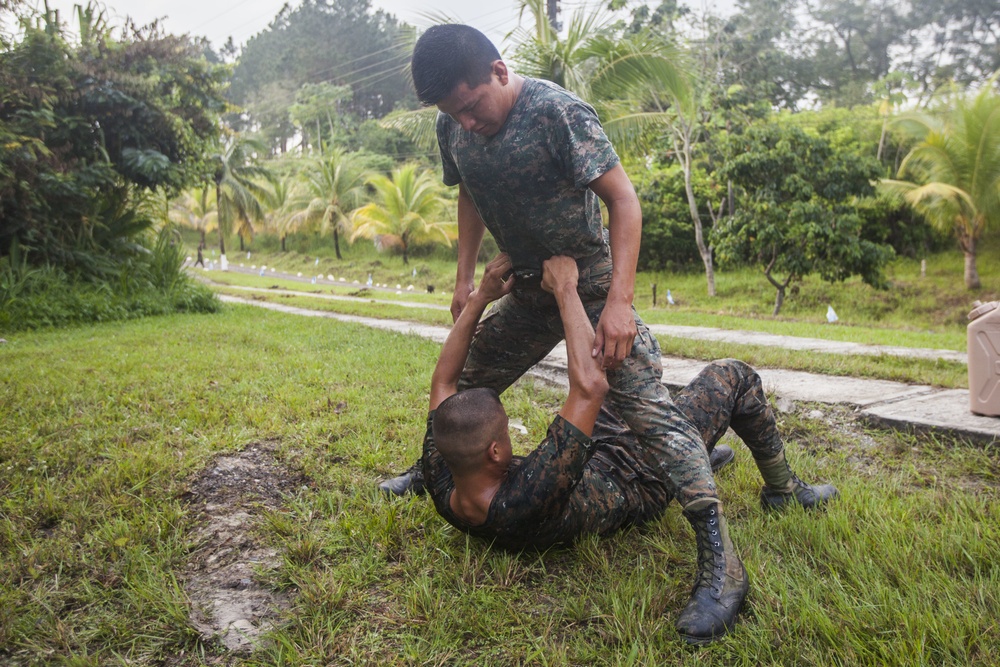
470, 237
456, 345
625, 230
583, 370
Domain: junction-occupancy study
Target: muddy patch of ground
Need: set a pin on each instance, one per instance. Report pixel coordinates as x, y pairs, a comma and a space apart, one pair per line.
229, 603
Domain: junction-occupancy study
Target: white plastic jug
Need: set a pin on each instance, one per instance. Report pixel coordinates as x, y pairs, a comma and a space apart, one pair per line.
984, 359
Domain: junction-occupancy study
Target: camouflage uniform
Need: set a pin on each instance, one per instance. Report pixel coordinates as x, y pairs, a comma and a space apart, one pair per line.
572, 485
529, 184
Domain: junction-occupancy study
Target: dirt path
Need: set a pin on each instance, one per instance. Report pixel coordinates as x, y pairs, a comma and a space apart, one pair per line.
229, 601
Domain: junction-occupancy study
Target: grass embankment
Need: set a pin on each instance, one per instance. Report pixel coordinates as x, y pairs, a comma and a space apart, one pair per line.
103, 427
926, 311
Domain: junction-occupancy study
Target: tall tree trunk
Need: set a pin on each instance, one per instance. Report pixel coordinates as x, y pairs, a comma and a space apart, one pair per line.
699, 235
283, 237
406, 258
203, 245
218, 207
336, 242
779, 298
881, 139
971, 272
684, 155
242, 248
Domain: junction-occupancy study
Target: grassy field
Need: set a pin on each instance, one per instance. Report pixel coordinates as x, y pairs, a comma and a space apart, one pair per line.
928, 311
110, 434
355, 300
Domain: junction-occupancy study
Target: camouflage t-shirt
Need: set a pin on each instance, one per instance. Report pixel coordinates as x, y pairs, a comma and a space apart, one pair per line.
529, 180
567, 487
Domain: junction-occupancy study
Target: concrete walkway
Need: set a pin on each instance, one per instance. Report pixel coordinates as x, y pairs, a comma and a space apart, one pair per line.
676, 331
893, 404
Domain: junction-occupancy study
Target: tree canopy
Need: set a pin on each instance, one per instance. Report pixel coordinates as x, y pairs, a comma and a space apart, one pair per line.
952, 174
88, 127
329, 42
791, 51
797, 212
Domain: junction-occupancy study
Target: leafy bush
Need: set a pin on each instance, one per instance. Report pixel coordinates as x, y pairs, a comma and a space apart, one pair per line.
151, 282
667, 230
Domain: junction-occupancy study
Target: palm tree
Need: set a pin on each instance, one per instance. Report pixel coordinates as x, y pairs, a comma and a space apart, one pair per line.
239, 188
954, 170
612, 72
285, 211
196, 209
407, 203
336, 186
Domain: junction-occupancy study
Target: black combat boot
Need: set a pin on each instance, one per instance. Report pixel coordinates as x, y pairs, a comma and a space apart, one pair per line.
721, 584
799, 492
720, 457
782, 486
411, 481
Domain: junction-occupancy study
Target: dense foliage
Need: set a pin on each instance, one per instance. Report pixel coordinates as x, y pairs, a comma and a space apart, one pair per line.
94, 133
952, 174
317, 57
147, 283
792, 51
667, 237
797, 212
88, 129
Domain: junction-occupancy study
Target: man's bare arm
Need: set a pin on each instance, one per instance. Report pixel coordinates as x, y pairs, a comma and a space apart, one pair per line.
449, 367
470, 236
616, 329
587, 382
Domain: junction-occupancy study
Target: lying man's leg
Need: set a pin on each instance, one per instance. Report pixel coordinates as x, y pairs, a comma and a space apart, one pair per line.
729, 393
612, 430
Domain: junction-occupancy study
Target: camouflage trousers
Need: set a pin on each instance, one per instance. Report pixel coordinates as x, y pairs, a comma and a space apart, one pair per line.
524, 326
725, 394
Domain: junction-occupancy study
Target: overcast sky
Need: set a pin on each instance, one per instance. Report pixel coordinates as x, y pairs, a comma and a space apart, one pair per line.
241, 19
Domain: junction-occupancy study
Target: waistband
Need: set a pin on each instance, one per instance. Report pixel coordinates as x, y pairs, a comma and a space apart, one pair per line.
532, 278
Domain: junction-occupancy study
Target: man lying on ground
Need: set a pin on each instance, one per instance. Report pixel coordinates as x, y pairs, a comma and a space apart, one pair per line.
583, 478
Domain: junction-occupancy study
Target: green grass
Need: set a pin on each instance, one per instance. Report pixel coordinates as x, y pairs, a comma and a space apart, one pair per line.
928, 312
268, 282
368, 308
372, 303
938, 373
102, 428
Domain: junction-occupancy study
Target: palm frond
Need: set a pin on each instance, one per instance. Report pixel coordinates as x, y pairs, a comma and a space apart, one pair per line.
419, 126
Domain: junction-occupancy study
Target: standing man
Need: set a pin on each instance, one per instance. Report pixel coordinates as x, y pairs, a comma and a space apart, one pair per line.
531, 161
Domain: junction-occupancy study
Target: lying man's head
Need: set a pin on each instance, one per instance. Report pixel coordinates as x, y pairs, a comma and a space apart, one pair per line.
470, 430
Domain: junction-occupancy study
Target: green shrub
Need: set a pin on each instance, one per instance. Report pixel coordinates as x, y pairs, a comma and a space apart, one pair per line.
667, 231
150, 282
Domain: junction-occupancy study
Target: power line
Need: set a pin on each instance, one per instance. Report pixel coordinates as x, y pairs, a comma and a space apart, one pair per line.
223, 13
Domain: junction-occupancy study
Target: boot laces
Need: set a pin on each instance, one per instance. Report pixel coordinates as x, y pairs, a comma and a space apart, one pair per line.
711, 558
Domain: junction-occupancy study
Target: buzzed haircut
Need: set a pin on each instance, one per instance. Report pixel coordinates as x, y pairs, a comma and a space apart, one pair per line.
448, 55
465, 424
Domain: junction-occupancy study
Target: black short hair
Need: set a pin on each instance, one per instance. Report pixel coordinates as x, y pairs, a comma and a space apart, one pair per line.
448, 55
465, 424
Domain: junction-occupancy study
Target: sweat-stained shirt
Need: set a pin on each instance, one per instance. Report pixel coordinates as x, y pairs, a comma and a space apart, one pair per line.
529, 180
